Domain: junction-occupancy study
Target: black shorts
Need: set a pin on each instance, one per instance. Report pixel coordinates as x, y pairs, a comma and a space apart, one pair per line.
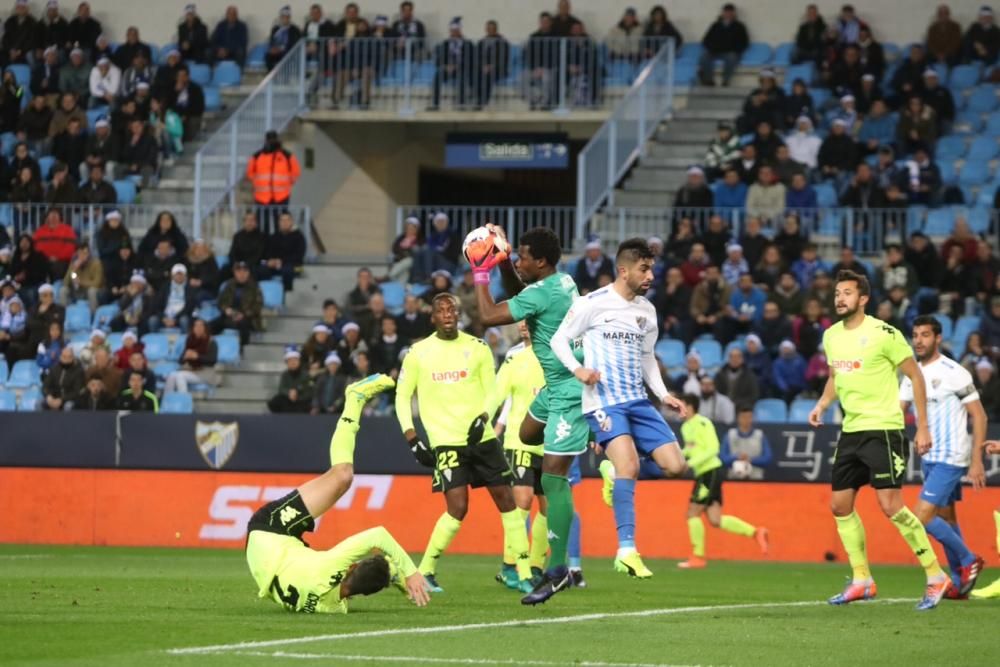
473, 465
285, 516
870, 457
527, 469
708, 487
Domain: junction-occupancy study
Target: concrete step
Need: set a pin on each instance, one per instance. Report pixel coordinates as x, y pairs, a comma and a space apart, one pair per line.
674, 161
214, 406
280, 338
698, 94
291, 324
267, 352
244, 393
645, 199
238, 379
275, 366
703, 113
691, 126
692, 151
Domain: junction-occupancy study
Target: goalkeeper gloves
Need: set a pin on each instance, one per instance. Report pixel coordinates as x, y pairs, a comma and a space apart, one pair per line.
477, 428
421, 452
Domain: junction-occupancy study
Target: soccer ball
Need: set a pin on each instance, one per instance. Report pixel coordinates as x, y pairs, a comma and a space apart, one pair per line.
741, 469
482, 243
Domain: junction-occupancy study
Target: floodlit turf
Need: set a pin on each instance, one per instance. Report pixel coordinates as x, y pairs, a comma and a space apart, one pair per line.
103, 606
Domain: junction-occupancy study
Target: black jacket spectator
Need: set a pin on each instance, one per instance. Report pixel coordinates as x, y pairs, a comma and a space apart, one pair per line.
195, 104
328, 392
772, 331
34, 121
839, 152
192, 40
54, 31
982, 42
142, 153
64, 381
164, 229
125, 54
660, 27
29, 267
20, 37
413, 325
694, 197
925, 260
740, 384
289, 247
864, 194
84, 31
44, 79
940, 99
100, 192
588, 280
157, 269
909, 78
809, 40
230, 38
726, 38
71, 149
248, 246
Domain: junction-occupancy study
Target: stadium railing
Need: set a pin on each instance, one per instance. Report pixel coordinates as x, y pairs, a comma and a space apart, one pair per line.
865, 230
557, 74
620, 141
220, 163
217, 225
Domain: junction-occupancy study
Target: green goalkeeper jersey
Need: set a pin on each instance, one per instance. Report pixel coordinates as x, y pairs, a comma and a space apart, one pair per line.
701, 444
453, 381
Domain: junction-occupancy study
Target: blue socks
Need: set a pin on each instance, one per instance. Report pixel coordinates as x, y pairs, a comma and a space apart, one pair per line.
623, 501
573, 547
958, 554
648, 469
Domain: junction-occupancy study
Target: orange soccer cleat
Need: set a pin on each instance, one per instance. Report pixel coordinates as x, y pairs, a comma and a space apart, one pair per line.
693, 563
854, 592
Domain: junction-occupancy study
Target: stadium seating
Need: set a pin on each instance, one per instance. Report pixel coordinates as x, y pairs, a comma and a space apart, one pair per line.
164, 368
24, 374
229, 349
256, 57
226, 74
758, 53
394, 294
950, 148
126, 191
213, 98
200, 74
22, 73
45, 163
177, 403
103, 316
782, 55
31, 400
274, 294
671, 353
208, 311
710, 352
798, 411
8, 401
114, 342
3, 370
983, 99
965, 76
963, 327
157, 346
770, 411
77, 317
982, 149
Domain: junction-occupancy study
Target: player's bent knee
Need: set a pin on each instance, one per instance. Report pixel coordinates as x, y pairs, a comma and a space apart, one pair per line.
343, 474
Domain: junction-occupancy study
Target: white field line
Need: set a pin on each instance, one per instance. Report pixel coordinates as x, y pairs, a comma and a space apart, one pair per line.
557, 620
438, 661
23, 556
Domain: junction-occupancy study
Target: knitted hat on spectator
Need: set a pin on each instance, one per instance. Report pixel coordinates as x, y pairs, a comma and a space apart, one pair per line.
441, 215
695, 171
190, 8
102, 122
693, 354
332, 358
113, 213
76, 52
767, 74
350, 326
46, 288
593, 243
985, 364
104, 60
6, 250
754, 338
441, 273
734, 247
930, 72
787, 345
97, 332
412, 220
839, 122
52, 4
847, 98
7, 281
50, 49
241, 265
455, 23
142, 85
804, 119
868, 77
285, 11
138, 277
654, 240
986, 10
292, 352
129, 335
321, 328
173, 53
178, 268
381, 19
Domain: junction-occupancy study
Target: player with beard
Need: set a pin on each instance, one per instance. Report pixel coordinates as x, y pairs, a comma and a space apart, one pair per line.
864, 354
619, 329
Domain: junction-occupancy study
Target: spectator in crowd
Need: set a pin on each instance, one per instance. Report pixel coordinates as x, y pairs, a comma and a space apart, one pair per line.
370, 319
956, 282
623, 41
413, 323
273, 171
358, 298
317, 346
682, 237
748, 164
849, 262
70, 148
758, 360
203, 271
241, 302
709, 302
22, 159
230, 38
766, 141
723, 150
868, 94
286, 251
917, 126
166, 128
103, 368
188, 101
328, 394
136, 362
137, 154
846, 111
790, 239
988, 382
137, 397
800, 195
735, 264
871, 53
803, 144
131, 347
95, 396
248, 245
735, 379
746, 306
407, 25
332, 318
985, 271
99, 151
982, 39
877, 129
989, 326
745, 443
192, 36
164, 229
817, 372
11, 94
785, 168
14, 333
673, 305
118, 271
895, 271
886, 171
493, 53
97, 190
387, 348
84, 278
135, 305
944, 38
166, 74
725, 40
908, 81
105, 81
21, 32
406, 244
807, 265
756, 109
788, 295
788, 372
157, 267
937, 97
961, 236
454, 59
98, 341
695, 193
766, 197
45, 77
175, 302
695, 265
808, 328
539, 59
74, 76
50, 347
769, 268
822, 290
125, 52
138, 72
592, 266
469, 306
63, 382
799, 102
924, 177
838, 154
864, 191
56, 241
27, 189
923, 257
714, 405
33, 126
440, 283
846, 72
809, 44
716, 239
732, 192
349, 343
974, 352
83, 30
848, 26
197, 361
42, 315
774, 102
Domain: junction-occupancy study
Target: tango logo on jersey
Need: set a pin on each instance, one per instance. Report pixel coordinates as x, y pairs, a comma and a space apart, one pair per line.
846, 365
450, 377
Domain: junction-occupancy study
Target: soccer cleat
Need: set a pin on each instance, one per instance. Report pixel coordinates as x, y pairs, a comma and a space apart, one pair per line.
934, 593
537, 574
969, 574
432, 584
988, 592
954, 594
763, 539
576, 578
855, 592
508, 577
633, 566
366, 389
693, 563
525, 586
607, 470
555, 580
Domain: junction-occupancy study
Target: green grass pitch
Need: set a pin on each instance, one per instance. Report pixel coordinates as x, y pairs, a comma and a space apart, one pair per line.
111, 606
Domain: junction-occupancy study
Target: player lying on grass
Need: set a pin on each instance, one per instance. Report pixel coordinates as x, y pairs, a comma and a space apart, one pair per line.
952, 399
993, 590
306, 580
619, 330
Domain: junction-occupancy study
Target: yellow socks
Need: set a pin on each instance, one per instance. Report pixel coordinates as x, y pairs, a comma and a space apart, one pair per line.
444, 532
732, 524
696, 531
852, 536
516, 536
913, 532
539, 540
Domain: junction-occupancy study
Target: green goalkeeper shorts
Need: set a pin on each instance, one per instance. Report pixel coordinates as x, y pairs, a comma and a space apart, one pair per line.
566, 430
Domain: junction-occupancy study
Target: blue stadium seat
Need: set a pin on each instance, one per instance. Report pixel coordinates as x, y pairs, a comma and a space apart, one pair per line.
176, 403
8, 401
103, 316
45, 163
820, 96
963, 327
891, 51
77, 317
939, 222
826, 195
94, 115
968, 122
983, 149
80, 338
394, 294
949, 175
710, 352
126, 191
24, 374
165, 368
770, 411
222, 261
226, 74
983, 99
3, 370
992, 126
958, 98
229, 349
208, 311
213, 98
690, 52
974, 173
273, 292
255, 59
965, 76
419, 289
157, 346
804, 71
950, 148
31, 400
670, 352
947, 326
8, 140
759, 53
114, 342
23, 75
782, 55
200, 74
164, 51
685, 73
798, 412
978, 218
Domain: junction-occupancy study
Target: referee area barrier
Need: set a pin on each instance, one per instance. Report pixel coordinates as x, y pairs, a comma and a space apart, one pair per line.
210, 509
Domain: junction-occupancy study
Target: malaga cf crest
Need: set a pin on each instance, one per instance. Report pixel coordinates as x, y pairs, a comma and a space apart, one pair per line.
641, 321
216, 441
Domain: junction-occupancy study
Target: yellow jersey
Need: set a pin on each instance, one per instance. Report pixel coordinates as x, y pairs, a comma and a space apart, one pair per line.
520, 378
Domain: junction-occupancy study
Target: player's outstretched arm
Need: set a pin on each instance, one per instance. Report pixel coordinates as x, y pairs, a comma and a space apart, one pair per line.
977, 472
992, 447
922, 440
825, 401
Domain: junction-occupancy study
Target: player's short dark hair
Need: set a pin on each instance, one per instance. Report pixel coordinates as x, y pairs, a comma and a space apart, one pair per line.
633, 250
692, 400
542, 243
441, 296
369, 576
847, 276
928, 321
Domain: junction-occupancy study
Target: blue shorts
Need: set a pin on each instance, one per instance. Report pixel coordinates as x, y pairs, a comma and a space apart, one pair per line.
574, 472
942, 483
639, 418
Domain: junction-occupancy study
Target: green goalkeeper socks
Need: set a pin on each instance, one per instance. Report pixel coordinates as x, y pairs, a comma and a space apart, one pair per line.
516, 536
913, 532
539, 540
444, 532
852, 536
732, 524
696, 531
560, 515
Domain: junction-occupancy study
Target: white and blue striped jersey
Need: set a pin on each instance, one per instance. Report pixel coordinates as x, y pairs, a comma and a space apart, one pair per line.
949, 389
618, 341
